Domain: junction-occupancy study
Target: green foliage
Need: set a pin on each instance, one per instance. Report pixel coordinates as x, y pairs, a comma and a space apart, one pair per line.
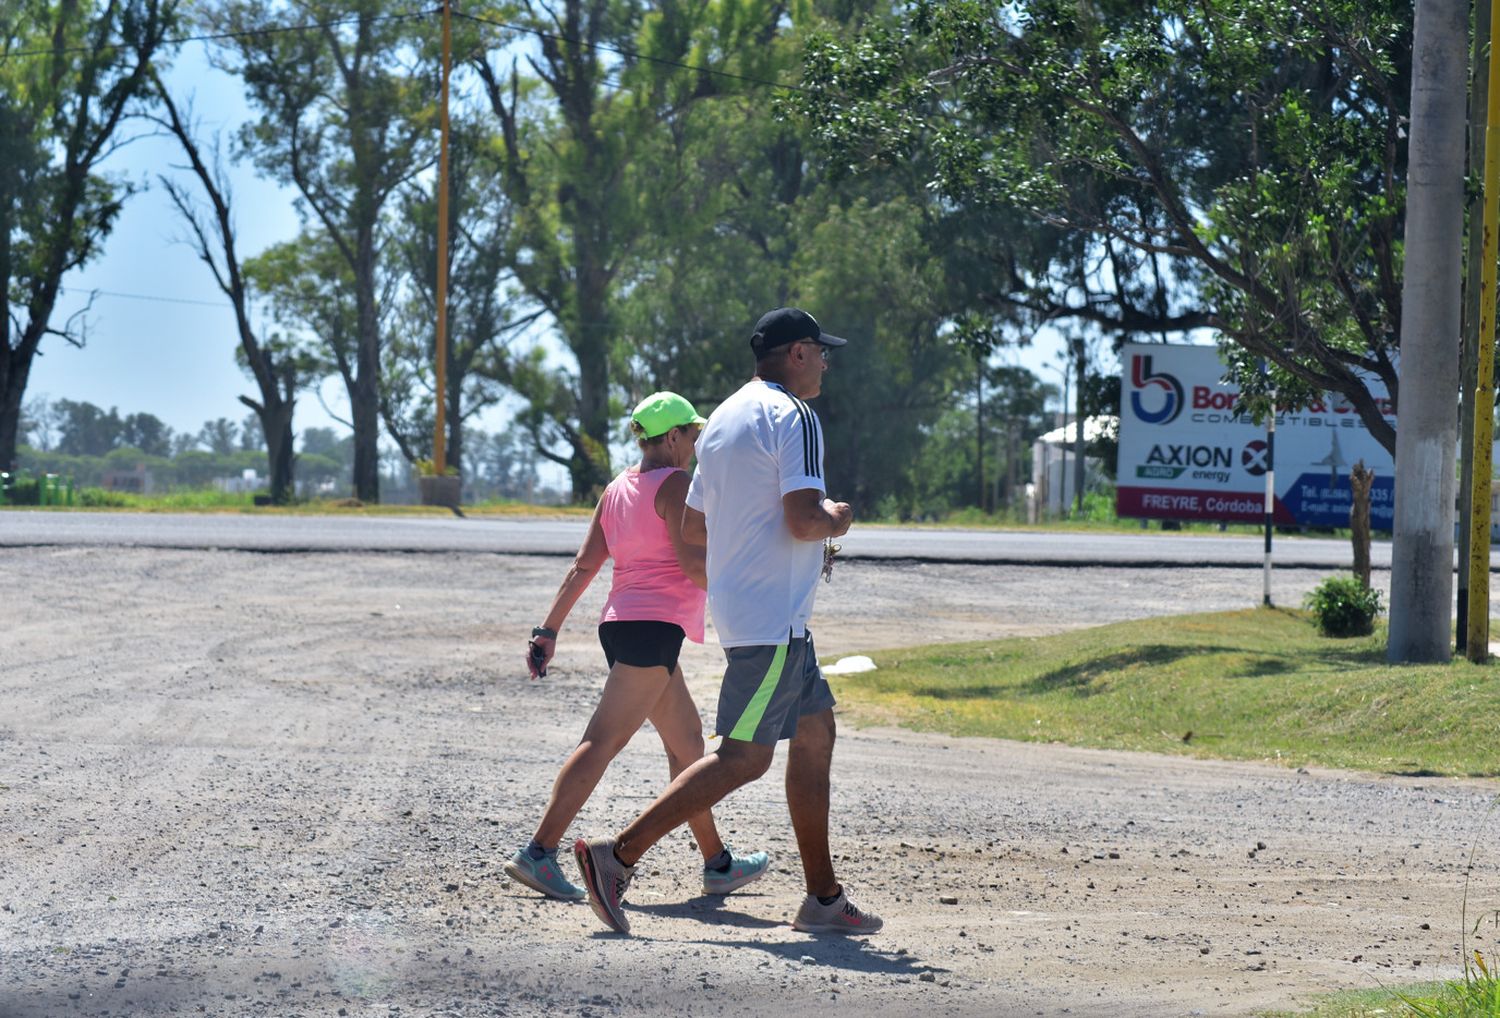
60, 110
102, 498
1476, 996
1178, 164
1342, 606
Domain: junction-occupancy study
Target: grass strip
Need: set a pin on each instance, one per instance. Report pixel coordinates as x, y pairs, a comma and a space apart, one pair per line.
1258, 684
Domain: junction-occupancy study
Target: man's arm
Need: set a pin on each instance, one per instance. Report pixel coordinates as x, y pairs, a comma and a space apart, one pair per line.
811, 517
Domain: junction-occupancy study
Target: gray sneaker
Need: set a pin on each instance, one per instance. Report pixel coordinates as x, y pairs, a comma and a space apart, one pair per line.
843, 916
542, 875
606, 879
742, 870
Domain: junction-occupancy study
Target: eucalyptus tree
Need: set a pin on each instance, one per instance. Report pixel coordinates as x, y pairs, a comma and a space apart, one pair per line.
345, 105
69, 74
592, 138
279, 365
486, 312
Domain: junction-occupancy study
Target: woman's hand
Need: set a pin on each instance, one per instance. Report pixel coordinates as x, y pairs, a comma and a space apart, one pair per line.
539, 651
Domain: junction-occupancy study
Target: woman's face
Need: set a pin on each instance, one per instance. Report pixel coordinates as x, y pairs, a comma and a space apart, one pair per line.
683, 440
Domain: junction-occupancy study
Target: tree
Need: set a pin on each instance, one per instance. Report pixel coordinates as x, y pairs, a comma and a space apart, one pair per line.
1183, 164
147, 433
592, 164
278, 366
252, 434
346, 116
86, 430
39, 421
69, 72
484, 309
220, 436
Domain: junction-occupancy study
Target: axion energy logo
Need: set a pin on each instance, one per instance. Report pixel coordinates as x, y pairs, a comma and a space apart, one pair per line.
1167, 403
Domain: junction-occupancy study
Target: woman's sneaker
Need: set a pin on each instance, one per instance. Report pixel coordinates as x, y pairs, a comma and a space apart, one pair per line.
542, 875
843, 916
742, 870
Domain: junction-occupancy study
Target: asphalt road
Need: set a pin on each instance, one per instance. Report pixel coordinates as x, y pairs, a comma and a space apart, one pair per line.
277, 533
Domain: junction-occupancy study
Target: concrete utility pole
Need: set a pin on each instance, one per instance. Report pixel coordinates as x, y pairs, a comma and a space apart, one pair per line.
1426, 432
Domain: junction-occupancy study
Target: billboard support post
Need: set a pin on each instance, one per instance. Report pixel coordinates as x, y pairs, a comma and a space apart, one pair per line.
1270, 494
1478, 623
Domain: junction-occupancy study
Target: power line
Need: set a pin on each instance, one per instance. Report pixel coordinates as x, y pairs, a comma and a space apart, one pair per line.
144, 296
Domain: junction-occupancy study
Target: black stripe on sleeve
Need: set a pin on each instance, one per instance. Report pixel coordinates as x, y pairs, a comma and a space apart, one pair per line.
812, 440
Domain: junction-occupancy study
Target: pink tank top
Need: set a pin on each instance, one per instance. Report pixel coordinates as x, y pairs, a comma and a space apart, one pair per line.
649, 585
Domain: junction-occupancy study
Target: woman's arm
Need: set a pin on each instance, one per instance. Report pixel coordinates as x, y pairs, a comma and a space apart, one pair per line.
586, 564
671, 501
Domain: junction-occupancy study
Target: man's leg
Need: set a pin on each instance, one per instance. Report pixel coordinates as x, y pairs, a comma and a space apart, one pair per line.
608, 865
695, 790
809, 758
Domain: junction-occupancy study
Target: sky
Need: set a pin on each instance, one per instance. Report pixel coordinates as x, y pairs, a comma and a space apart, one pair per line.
161, 338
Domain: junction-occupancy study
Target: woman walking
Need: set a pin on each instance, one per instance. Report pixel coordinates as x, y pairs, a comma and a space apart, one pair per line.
656, 601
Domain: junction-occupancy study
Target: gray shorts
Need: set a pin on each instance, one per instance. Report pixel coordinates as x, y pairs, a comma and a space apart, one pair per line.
766, 689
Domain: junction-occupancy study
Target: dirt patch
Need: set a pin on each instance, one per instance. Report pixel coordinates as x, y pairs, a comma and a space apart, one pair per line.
240, 784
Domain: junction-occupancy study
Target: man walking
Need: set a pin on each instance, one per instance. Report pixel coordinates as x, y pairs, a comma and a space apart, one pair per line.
757, 498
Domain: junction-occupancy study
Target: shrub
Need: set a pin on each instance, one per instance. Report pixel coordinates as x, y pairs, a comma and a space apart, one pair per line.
1344, 607
102, 498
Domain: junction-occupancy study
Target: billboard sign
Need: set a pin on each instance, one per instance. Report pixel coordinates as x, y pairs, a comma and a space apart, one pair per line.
1188, 453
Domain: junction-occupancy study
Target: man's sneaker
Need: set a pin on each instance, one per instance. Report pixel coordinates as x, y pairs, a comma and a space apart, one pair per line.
543, 875
606, 879
743, 869
843, 916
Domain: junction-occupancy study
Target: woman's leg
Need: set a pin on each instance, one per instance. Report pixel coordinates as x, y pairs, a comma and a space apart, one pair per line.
681, 729
629, 695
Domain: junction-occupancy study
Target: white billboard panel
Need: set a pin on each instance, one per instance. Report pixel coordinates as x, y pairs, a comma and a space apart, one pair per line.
1188, 453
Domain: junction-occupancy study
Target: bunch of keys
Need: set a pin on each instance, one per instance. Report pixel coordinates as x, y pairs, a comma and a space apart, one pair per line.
829, 551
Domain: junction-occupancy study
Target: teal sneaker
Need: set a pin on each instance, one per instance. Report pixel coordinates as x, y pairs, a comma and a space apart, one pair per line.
743, 869
543, 875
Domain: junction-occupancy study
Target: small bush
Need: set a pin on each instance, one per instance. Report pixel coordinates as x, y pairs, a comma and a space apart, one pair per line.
102, 498
22, 491
1344, 607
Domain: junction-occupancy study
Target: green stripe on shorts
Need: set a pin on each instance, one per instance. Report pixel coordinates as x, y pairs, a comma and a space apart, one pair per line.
744, 728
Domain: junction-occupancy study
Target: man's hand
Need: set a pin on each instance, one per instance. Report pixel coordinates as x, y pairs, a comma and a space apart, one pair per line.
811, 517
843, 516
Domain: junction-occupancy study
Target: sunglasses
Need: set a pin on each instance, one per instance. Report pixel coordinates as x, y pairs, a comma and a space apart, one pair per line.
822, 350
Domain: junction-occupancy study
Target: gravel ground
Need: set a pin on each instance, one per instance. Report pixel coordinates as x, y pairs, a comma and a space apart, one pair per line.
246, 784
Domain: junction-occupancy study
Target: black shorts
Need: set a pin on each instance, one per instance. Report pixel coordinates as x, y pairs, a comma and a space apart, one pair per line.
641, 644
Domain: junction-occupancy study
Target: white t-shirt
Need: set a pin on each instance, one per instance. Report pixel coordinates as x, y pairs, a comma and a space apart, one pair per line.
761, 443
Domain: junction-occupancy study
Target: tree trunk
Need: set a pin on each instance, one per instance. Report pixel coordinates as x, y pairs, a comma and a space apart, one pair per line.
1360, 479
276, 422
1422, 549
589, 469
12, 389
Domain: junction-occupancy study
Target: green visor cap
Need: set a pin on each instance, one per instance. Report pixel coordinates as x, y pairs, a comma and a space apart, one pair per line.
660, 412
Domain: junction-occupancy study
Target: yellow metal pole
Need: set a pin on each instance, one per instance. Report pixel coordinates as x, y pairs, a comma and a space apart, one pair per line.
1484, 389
440, 435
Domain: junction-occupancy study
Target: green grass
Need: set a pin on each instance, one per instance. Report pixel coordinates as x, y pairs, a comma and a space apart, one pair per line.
1476, 997
1258, 684
211, 500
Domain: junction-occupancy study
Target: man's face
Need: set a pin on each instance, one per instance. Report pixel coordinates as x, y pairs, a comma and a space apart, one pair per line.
808, 360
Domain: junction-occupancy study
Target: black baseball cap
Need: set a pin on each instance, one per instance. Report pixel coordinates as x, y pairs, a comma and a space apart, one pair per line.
788, 325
